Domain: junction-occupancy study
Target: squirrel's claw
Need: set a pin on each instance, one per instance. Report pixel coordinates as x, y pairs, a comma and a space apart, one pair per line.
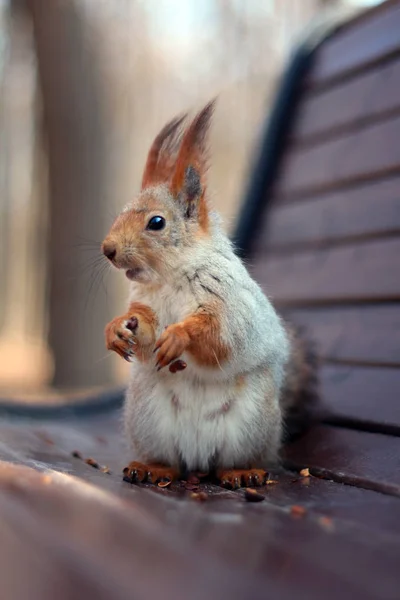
171, 344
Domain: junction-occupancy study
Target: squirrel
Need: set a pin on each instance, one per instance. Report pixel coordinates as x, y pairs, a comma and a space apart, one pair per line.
215, 372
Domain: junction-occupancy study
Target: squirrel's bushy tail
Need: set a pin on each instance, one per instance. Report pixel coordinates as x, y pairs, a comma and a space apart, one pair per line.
299, 397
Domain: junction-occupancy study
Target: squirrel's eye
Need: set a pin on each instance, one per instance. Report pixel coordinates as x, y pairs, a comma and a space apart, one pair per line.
156, 223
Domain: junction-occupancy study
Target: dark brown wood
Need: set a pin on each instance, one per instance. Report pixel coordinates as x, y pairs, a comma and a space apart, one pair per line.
359, 334
339, 161
363, 397
350, 103
361, 43
323, 498
359, 458
71, 538
367, 270
368, 210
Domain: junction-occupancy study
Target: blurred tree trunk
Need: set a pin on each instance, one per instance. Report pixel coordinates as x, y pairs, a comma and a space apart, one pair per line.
77, 163
25, 360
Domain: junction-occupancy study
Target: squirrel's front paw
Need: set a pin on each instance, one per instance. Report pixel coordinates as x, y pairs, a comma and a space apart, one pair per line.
171, 344
132, 334
120, 336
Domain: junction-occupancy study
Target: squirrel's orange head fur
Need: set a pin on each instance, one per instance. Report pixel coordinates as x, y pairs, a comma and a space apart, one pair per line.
171, 211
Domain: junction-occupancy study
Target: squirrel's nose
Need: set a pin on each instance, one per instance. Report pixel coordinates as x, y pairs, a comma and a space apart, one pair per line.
109, 251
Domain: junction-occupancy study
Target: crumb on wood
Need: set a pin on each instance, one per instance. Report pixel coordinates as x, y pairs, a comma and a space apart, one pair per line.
297, 510
93, 463
199, 496
305, 472
252, 495
164, 483
326, 523
45, 438
77, 454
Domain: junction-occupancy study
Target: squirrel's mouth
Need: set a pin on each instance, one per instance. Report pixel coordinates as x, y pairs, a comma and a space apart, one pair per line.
133, 274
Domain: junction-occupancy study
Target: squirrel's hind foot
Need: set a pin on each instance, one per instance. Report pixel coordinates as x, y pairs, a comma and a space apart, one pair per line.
233, 479
137, 472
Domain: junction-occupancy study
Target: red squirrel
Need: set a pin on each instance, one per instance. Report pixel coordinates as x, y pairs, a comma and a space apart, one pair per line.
215, 372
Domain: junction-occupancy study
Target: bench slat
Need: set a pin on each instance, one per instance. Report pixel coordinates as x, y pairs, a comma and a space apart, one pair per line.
350, 103
358, 334
366, 210
365, 271
368, 397
369, 460
362, 42
369, 153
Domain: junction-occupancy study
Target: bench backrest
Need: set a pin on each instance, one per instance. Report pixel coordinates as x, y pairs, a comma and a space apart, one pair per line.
328, 251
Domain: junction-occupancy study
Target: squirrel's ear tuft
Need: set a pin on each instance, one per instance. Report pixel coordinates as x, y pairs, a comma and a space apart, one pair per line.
162, 154
188, 183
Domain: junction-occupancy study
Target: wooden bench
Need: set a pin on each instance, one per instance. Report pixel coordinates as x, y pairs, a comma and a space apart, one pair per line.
320, 229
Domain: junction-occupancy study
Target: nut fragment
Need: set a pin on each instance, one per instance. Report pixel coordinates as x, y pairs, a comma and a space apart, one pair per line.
77, 454
271, 481
164, 483
253, 496
178, 365
326, 523
297, 510
105, 469
92, 463
305, 472
199, 496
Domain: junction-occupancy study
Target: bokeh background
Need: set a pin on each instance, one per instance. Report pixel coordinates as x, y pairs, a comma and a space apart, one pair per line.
84, 87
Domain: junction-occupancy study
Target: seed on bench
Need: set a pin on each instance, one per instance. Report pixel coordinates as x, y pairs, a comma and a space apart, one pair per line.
164, 482
305, 472
92, 463
297, 511
253, 496
178, 365
77, 454
326, 523
199, 496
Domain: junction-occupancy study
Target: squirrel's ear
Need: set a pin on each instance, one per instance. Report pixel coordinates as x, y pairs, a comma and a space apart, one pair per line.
160, 160
188, 183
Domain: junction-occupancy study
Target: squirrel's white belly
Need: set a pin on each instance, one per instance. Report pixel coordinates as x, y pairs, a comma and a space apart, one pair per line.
200, 424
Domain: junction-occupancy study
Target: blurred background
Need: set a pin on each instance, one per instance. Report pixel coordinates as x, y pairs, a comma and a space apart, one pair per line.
84, 87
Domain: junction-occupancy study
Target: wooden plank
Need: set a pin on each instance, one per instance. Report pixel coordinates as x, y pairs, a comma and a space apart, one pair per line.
297, 562
367, 210
50, 444
72, 540
341, 161
361, 271
368, 397
350, 103
359, 334
322, 498
69, 537
363, 459
361, 43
